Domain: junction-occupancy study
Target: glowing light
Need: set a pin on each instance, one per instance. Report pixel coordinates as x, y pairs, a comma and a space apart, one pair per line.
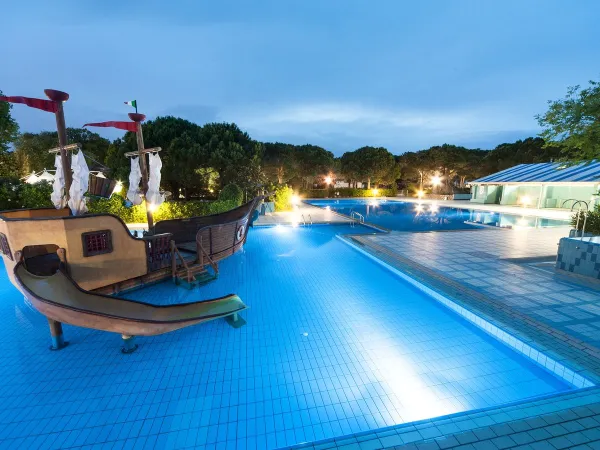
151, 207
118, 188
328, 208
328, 179
420, 194
522, 222
295, 200
525, 200
375, 191
434, 207
418, 208
436, 180
373, 203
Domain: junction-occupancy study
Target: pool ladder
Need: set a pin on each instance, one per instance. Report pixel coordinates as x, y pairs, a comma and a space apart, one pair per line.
356, 217
307, 223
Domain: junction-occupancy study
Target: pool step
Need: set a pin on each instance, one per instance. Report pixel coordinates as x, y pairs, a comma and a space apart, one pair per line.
194, 276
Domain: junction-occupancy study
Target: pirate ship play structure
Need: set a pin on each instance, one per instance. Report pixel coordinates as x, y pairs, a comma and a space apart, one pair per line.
71, 265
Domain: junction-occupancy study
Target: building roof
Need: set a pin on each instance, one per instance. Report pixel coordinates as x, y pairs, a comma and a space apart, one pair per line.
587, 172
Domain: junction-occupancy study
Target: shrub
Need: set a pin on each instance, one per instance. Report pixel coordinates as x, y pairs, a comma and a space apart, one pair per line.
232, 192
283, 198
168, 210
592, 223
349, 192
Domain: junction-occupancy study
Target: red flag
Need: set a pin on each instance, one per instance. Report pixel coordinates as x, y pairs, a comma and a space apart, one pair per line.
45, 105
129, 126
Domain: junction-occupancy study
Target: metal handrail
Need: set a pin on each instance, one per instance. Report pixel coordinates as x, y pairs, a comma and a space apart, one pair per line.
578, 202
310, 219
303, 220
354, 215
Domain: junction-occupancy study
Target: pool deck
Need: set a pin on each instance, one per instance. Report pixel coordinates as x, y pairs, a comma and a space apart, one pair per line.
506, 277
302, 212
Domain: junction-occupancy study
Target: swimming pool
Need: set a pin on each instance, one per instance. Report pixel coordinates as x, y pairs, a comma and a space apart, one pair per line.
408, 216
334, 344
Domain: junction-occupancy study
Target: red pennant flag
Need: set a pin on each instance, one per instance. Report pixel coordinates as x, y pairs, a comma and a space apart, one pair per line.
129, 126
45, 105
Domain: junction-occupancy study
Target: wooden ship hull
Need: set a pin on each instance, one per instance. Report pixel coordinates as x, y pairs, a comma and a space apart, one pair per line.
65, 265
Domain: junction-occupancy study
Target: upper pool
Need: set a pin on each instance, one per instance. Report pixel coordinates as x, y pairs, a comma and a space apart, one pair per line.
409, 216
334, 344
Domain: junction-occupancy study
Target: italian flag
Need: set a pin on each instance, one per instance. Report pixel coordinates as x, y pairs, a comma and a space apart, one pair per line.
132, 103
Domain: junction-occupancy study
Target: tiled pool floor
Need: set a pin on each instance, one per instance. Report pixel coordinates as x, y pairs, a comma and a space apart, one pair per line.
334, 345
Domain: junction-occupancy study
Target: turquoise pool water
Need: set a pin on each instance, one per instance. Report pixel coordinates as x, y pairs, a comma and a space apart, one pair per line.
409, 216
334, 344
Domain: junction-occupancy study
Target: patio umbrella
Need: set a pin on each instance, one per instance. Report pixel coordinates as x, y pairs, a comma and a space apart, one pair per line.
58, 186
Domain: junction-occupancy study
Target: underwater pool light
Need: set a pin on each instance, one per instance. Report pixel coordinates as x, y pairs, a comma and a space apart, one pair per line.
434, 207
419, 207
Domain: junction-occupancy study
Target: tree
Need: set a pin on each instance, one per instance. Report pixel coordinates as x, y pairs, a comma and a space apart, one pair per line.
9, 130
523, 151
574, 122
31, 149
350, 168
373, 163
279, 162
232, 153
312, 160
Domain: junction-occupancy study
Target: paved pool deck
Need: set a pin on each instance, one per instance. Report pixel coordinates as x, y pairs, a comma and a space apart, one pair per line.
508, 278
302, 213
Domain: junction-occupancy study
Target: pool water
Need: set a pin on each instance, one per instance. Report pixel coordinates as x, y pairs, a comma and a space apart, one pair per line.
334, 344
408, 216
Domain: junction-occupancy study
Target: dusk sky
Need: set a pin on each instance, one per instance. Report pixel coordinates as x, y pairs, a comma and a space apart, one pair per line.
341, 74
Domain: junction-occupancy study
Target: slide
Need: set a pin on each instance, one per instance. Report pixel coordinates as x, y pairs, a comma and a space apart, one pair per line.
59, 298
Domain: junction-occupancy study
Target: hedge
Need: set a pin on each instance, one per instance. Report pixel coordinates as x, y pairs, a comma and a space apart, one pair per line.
348, 192
168, 210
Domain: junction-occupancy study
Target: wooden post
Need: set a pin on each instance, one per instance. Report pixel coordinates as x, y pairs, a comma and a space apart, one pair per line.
138, 118
60, 97
58, 341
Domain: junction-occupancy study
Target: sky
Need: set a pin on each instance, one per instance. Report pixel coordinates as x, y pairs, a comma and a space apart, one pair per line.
341, 74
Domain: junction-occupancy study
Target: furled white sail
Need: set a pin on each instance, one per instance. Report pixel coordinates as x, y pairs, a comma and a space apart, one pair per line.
79, 185
153, 196
135, 175
58, 186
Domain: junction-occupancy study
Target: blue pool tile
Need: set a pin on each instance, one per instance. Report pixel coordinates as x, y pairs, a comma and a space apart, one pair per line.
333, 345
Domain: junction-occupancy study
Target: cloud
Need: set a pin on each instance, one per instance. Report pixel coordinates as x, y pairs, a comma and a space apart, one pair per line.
344, 125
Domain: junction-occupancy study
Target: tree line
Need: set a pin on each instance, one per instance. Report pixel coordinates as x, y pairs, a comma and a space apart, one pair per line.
199, 160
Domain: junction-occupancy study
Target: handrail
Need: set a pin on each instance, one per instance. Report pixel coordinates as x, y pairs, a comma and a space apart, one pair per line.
303, 219
310, 219
354, 216
175, 253
201, 252
587, 207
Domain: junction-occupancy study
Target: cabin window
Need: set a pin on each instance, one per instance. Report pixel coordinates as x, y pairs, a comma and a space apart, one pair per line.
97, 243
4, 247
